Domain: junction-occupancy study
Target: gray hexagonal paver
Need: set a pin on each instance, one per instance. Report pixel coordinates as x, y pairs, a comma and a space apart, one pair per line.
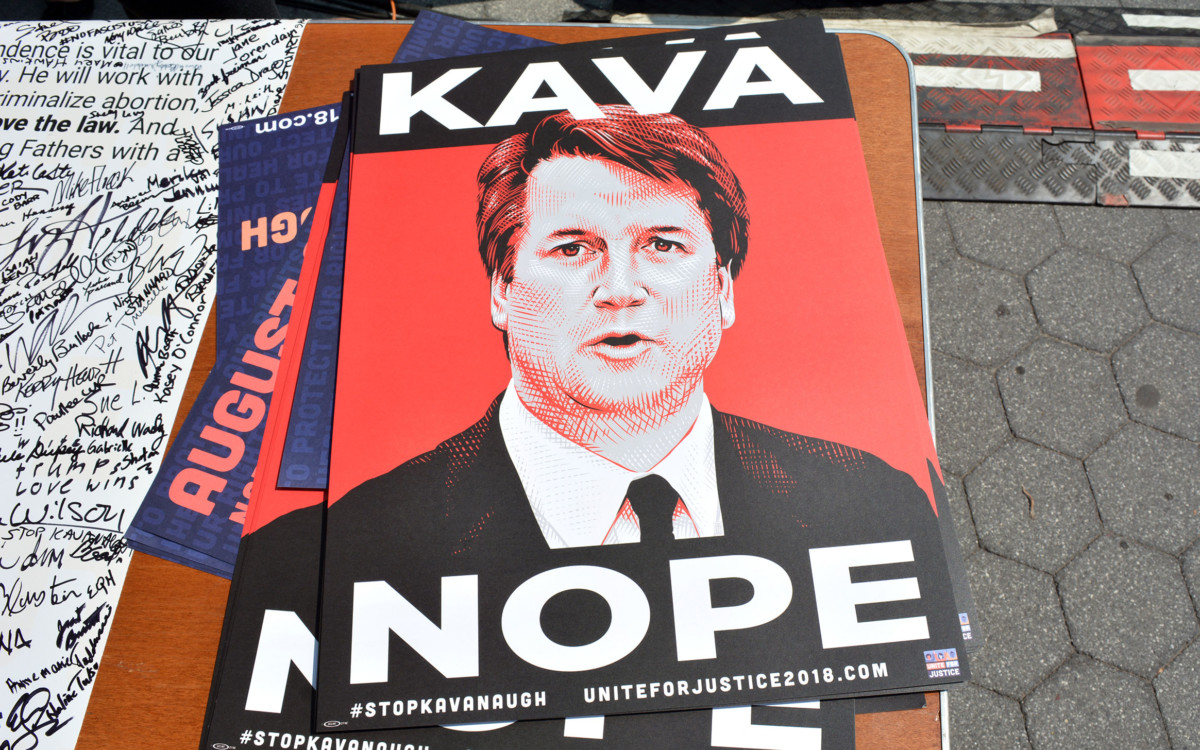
1147, 486
1086, 704
970, 418
1191, 573
939, 240
1032, 505
1024, 636
1015, 237
1183, 223
1178, 691
1127, 605
1169, 275
964, 525
1061, 396
978, 313
982, 718
1086, 300
1119, 234
1159, 375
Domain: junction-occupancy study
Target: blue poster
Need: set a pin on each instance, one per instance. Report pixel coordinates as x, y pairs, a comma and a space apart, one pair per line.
271, 171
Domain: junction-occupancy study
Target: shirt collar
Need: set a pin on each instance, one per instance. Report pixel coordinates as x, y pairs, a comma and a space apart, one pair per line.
575, 494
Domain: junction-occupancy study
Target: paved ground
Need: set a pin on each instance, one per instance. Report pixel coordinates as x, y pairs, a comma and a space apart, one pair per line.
1067, 391
1067, 388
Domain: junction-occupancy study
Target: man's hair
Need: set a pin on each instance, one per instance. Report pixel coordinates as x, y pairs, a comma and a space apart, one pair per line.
661, 146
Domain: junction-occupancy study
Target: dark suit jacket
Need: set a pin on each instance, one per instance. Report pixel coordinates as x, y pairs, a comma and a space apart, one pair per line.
460, 509
471, 500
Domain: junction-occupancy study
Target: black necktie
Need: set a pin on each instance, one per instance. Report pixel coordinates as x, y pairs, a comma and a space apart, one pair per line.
653, 500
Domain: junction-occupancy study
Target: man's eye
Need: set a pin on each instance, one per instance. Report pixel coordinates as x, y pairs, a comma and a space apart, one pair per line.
570, 250
664, 246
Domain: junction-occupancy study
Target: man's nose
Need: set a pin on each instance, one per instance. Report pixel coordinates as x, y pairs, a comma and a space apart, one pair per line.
620, 283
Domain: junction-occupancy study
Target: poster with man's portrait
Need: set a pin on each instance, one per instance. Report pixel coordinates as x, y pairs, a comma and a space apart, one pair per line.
625, 416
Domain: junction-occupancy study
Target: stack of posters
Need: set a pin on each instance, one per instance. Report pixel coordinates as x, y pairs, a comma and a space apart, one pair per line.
569, 274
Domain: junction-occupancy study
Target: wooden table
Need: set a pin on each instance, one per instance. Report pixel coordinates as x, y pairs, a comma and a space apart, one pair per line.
154, 677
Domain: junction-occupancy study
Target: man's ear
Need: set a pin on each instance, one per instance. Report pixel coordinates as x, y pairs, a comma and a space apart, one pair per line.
725, 296
500, 301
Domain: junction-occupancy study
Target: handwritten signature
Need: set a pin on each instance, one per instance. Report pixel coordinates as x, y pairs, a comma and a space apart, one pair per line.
35, 715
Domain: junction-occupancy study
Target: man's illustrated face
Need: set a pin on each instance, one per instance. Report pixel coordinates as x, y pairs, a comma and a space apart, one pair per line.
616, 302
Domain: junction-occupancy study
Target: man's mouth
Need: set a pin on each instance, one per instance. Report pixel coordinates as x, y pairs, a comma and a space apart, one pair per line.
620, 345
628, 339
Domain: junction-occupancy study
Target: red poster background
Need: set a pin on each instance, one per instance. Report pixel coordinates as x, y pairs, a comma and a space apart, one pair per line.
818, 347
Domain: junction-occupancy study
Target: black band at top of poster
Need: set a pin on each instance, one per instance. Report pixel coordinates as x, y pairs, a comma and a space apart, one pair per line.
782, 71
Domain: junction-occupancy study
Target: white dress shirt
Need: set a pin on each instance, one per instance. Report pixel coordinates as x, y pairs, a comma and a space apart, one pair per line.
578, 497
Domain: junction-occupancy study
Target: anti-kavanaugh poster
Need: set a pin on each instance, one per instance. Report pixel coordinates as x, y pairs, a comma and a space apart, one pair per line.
625, 415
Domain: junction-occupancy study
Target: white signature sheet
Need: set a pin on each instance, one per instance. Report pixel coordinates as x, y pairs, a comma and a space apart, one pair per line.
108, 191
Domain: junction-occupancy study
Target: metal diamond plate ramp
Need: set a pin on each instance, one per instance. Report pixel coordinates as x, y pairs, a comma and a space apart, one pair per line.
1147, 22
1073, 18
973, 81
1148, 173
936, 10
995, 165
1143, 87
1077, 19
